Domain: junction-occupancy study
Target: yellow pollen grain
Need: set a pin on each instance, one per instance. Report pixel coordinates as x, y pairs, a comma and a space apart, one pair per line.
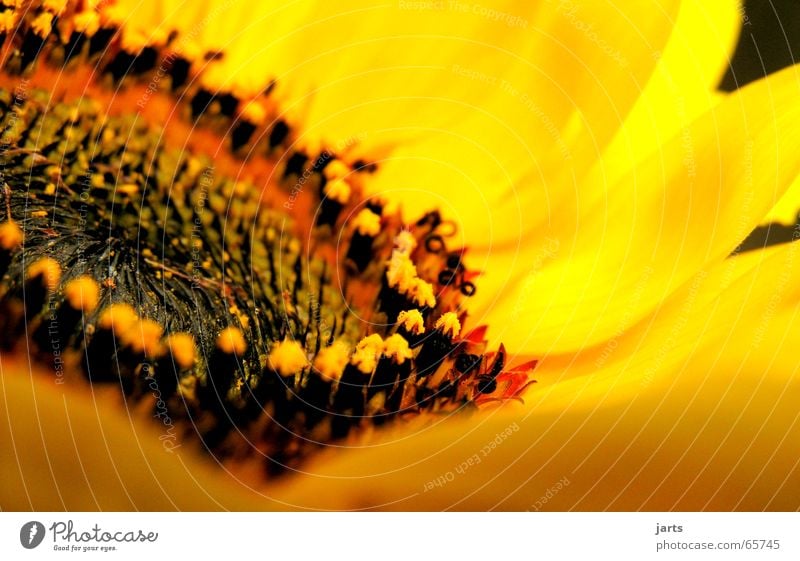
449, 325
39, 214
8, 21
42, 24
128, 189
183, 349
412, 321
401, 272
255, 113
396, 347
422, 293
231, 341
337, 190
287, 358
367, 223
118, 317
144, 337
48, 268
86, 22
55, 6
367, 353
133, 40
11, 236
240, 189
336, 169
405, 242
331, 361
82, 293
115, 14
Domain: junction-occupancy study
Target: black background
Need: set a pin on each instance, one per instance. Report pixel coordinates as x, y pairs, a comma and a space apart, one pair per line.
769, 41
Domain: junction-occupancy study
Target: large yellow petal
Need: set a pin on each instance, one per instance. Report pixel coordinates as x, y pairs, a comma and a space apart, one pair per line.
683, 85
672, 93
623, 250
695, 409
458, 101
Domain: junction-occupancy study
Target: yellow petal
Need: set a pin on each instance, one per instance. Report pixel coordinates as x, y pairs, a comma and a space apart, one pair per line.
684, 83
681, 87
458, 101
67, 449
695, 409
622, 251
481, 130
787, 210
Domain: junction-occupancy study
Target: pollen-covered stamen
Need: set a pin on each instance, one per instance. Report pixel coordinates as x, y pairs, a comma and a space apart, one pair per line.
143, 337
104, 348
183, 350
368, 351
231, 341
449, 325
82, 293
392, 370
439, 345
335, 170
366, 227
11, 238
336, 192
403, 288
41, 281
331, 361
45, 272
134, 69
183, 287
396, 348
287, 358
411, 322
62, 323
350, 396
225, 365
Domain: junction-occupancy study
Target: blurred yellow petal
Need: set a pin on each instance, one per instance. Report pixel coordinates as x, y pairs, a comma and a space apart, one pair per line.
625, 250
65, 448
683, 85
787, 210
695, 409
679, 87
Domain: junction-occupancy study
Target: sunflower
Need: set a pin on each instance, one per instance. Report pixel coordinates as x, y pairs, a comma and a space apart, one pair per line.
250, 252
